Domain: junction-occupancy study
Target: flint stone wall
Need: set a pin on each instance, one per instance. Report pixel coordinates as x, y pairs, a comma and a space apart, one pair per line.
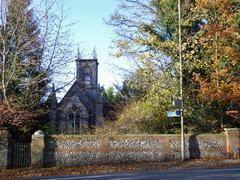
89, 149
4, 137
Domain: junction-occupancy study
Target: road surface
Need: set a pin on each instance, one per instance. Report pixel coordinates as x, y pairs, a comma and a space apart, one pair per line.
183, 174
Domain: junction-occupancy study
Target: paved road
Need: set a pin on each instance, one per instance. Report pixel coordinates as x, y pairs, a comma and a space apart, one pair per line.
196, 174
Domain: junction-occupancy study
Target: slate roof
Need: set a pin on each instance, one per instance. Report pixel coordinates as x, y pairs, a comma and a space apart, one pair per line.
85, 97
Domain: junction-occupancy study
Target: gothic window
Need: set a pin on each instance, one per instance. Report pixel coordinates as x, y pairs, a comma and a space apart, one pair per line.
73, 119
77, 119
87, 76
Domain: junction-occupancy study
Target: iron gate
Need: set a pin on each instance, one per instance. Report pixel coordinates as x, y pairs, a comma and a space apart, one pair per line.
20, 155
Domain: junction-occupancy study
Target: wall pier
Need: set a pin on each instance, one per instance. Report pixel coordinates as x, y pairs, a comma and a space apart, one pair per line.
233, 142
37, 149
4, 148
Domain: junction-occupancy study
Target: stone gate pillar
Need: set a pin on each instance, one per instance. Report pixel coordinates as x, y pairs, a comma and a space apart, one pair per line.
232, 142
37, 149
4, 143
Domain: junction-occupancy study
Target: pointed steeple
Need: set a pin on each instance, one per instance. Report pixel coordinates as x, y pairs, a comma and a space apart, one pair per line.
94, 54
79, 55
53, 88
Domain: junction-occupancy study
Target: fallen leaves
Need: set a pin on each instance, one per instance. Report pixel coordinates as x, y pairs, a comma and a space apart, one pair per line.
115, 168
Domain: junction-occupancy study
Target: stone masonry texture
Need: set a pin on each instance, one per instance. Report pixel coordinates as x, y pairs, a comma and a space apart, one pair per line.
90, 149
75, 150
3, 148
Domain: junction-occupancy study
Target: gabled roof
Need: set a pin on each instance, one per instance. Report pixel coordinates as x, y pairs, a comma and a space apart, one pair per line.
83, 96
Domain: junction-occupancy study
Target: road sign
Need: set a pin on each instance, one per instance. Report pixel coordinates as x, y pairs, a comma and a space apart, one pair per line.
174, 114
177, 103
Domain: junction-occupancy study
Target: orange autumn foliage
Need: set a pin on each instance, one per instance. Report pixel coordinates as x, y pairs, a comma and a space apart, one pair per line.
18, 117
221, 33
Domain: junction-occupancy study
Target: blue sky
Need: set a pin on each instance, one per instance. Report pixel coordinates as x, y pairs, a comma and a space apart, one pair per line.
90, 31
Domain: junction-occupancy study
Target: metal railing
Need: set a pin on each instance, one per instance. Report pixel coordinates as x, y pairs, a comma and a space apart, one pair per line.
20, 154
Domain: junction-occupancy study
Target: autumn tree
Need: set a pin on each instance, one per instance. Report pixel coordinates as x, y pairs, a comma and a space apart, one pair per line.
219, 38
148, 34
27, 57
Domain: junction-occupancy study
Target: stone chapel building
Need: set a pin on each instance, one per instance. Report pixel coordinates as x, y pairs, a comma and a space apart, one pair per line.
80, 110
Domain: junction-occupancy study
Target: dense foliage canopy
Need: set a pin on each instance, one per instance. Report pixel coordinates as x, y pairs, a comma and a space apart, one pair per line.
148, 34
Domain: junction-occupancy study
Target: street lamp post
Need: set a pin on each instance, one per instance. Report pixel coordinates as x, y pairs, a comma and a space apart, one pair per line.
181, 79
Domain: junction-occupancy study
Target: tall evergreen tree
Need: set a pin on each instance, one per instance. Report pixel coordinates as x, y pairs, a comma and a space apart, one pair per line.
23, 81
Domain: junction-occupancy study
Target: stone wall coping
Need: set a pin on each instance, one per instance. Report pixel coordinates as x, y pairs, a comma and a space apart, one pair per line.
113, 136
205, 134
38, 133
125, 136
231, 129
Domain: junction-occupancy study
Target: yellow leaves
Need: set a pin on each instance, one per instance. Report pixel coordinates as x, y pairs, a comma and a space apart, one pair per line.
213, 4
168, 45
202, 4
235, 93
122, 43
219, 41
139, 40
119, 54
145, 56
220, 13
225, 90
232, 55
230, 92
152, 40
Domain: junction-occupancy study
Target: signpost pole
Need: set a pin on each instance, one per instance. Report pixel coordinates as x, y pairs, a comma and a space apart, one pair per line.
181, 80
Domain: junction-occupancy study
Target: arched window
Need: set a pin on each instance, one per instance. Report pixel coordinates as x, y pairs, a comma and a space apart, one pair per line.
70, 120
87, 76
77, 121
73, 119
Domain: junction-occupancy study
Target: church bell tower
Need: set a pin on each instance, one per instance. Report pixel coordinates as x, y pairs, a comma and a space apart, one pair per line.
87, 72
